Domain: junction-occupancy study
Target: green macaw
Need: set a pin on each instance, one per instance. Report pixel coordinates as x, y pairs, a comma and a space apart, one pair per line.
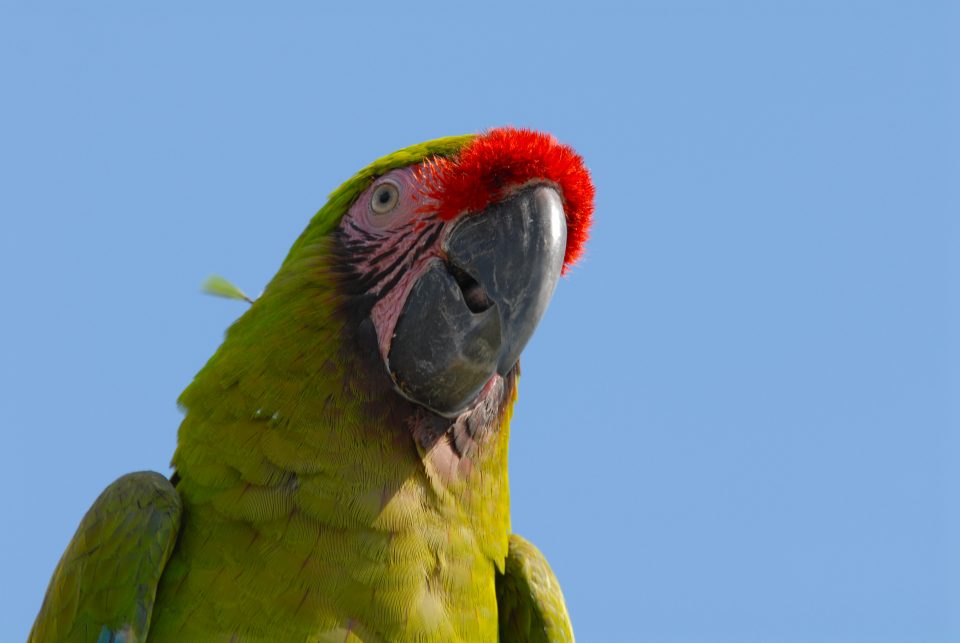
341, 469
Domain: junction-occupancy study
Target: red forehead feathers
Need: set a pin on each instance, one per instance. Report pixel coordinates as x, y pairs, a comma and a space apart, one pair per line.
493, 163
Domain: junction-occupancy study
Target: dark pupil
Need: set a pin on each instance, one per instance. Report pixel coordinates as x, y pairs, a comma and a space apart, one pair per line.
384, 196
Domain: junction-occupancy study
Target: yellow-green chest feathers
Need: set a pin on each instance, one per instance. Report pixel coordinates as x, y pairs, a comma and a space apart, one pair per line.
387, 532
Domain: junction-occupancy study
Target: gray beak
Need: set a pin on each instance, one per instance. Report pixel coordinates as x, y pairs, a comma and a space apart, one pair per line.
469, 317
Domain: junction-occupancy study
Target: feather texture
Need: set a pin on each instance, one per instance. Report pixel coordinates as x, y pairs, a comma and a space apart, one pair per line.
105, 584
532, 609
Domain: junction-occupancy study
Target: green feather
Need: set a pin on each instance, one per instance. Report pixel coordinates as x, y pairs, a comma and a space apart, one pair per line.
220, 287
105, 585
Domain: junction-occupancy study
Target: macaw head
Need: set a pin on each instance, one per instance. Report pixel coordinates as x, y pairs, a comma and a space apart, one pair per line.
453, 258
419, 282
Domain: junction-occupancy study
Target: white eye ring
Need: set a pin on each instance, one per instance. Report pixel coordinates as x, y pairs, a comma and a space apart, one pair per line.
385, 198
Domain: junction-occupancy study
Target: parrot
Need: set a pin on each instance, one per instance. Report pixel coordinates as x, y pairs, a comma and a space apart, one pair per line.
340, 471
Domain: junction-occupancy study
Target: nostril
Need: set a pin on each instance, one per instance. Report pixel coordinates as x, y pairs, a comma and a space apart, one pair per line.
473, 293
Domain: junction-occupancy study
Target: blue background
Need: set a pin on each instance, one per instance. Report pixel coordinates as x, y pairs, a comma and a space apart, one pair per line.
738, 422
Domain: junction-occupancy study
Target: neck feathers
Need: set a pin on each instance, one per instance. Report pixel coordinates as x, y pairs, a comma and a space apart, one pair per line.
295, 419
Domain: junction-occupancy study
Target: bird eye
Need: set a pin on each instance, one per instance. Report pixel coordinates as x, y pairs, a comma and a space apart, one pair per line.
385, 198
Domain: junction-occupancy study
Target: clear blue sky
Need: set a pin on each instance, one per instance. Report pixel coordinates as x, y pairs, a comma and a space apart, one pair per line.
738, 421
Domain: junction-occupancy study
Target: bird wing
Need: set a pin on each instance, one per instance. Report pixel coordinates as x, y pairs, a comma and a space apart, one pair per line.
105, 584
530, 603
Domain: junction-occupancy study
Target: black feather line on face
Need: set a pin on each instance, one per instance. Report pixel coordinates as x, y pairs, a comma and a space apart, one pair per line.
399, 265
361, 259
383, 255
416, 251
363, 233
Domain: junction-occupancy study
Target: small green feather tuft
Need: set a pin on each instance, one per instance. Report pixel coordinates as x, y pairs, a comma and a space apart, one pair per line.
220, 287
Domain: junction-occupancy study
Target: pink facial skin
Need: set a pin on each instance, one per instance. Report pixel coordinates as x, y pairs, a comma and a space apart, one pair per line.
402, 243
